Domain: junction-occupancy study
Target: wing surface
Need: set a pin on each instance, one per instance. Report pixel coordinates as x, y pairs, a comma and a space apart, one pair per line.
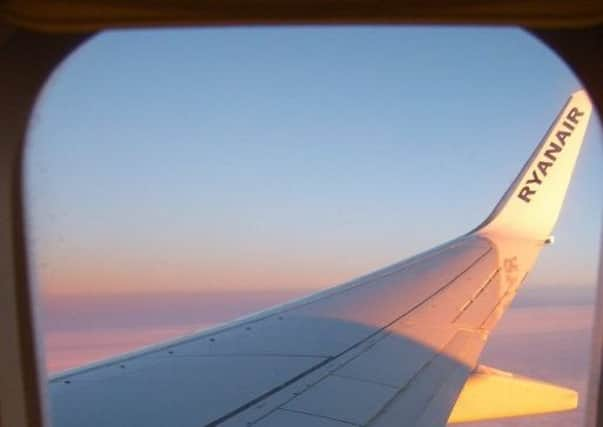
394, 347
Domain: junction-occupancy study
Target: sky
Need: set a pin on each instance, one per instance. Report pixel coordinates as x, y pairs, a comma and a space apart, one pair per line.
289, 158
179, 178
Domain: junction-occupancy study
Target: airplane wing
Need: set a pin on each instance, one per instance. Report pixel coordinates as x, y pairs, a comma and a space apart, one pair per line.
397, 347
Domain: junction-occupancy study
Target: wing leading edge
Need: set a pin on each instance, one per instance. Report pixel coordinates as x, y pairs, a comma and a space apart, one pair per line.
394, 347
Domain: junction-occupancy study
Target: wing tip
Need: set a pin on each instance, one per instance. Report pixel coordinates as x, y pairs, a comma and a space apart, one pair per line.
531, 205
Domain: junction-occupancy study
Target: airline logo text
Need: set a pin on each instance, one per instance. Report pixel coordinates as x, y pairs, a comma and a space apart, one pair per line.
549, 157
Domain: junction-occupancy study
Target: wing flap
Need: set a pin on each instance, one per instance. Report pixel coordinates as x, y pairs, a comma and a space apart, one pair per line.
492, 394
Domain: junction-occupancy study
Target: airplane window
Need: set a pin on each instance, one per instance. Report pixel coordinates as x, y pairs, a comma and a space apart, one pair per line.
178, 179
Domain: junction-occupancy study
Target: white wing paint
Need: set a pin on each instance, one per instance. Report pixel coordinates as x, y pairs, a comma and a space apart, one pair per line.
397, 347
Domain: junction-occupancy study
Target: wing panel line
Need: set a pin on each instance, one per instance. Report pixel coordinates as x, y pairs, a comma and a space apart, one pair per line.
280, 387
297, 411
476, 295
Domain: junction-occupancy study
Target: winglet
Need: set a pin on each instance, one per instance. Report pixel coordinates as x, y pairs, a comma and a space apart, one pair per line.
530, 207
491, 394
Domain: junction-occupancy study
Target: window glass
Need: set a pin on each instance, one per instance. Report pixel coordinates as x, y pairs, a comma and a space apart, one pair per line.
177, 179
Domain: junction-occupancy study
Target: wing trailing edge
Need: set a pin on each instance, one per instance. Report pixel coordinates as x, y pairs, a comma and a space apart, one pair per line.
491, 394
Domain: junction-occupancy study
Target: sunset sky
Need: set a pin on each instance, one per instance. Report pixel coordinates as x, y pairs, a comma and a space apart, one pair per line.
289, 158
176, 179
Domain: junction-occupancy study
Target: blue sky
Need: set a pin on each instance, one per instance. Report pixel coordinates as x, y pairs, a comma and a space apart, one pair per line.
282, 158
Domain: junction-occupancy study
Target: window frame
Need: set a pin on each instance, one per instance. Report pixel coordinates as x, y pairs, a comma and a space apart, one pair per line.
27, 59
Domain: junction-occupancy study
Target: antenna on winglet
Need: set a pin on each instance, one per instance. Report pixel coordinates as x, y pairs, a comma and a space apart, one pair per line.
531, 205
